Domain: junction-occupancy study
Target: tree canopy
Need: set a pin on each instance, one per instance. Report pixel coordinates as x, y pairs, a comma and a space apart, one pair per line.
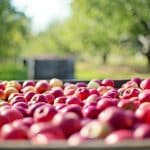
95, 27
105, 23
14, 30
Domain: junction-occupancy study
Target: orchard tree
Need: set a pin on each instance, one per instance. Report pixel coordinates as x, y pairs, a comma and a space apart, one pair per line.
14, 30
96, 25
112, 20
138, 29
95, 31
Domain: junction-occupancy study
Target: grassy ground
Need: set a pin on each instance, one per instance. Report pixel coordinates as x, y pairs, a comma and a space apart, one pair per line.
117, 68
108, 71
12, 71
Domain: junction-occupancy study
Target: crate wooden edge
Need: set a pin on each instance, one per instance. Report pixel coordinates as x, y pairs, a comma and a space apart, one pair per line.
90, 145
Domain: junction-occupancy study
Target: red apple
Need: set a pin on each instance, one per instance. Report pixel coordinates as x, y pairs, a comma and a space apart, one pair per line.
49, 97
81, 84
82, 93
42, 86
112, 93
105, 103
21, 104
119, 135
136, 79
116, 117
108, 82
93, 98
25, 122
131, 115
27, 89
57, 92
17, 99
129, 93
127, 104
142, 131
4, 82
65, 120
12, 114
45, 138
94, 92
44, 113
3, 120
12, 95
104, 89
45, 127
143, 114
2, 86
22, 107
145, 84
76, 139
144, 105
60, 106
90, 112
38, 98
10, 132
33, 107
60, 100
144, 96
28, 121
73, 100
69, 89
5, 107
73, 108
136, 102
28, 83
130, 84
85, 121
70, 86
28, 95
68, 92
95, 130
85, 105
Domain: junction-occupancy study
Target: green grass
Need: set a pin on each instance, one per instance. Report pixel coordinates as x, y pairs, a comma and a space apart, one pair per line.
117, 68
12, 71
108, 72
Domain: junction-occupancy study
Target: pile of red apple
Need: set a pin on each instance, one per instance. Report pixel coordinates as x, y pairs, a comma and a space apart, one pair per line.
44, 111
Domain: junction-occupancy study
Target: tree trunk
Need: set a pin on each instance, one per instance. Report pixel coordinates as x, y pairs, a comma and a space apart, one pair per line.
148, 62
145, 41
104, 58
148, 59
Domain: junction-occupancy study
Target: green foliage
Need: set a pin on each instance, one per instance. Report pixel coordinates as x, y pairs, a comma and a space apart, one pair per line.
12, 71
95, 27
14, 30
109, 21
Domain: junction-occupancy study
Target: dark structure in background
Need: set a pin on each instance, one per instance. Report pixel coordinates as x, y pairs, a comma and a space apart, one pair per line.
46, 68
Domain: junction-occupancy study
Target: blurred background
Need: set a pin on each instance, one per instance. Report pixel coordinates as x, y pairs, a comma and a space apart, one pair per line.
104, 38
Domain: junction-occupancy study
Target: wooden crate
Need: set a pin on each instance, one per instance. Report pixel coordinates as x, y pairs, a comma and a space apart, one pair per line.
89, 145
